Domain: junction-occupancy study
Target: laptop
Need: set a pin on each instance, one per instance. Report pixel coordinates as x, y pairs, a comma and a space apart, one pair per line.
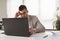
16, 26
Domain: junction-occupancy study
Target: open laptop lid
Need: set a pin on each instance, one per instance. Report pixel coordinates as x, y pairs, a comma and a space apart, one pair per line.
16, 26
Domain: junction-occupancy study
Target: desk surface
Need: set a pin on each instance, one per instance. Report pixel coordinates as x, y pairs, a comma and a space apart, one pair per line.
47, 35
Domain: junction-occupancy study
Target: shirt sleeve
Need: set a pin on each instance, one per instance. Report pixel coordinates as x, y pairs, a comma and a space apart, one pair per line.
38, 26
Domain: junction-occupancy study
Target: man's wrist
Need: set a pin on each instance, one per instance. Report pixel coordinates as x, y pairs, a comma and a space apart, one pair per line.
34, 30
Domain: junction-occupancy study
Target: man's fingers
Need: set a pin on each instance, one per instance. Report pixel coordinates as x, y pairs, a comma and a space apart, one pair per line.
31, 30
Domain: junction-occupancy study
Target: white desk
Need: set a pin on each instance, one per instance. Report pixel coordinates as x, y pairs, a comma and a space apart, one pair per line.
48, 35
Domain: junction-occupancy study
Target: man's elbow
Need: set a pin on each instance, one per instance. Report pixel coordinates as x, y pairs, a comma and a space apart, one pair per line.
40, 29
43, 29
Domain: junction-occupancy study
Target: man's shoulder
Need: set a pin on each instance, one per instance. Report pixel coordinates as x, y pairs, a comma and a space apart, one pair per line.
33, 16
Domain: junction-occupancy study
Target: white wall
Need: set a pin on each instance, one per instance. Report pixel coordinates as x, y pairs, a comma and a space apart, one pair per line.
12, 7
58, 5
33, 7
47, 13
3, 9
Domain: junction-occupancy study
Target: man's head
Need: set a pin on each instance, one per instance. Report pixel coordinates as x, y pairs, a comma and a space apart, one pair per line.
22, 7
23, 10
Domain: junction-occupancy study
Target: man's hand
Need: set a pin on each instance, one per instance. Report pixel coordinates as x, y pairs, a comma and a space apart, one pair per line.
18, 13
32, 30
22, 14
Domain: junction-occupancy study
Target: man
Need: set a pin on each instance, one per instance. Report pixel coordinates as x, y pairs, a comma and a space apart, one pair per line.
34, 23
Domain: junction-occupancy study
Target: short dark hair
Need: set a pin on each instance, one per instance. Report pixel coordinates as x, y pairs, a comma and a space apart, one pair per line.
21, 7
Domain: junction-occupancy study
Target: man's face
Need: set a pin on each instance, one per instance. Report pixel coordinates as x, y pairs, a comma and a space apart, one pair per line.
24, 13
